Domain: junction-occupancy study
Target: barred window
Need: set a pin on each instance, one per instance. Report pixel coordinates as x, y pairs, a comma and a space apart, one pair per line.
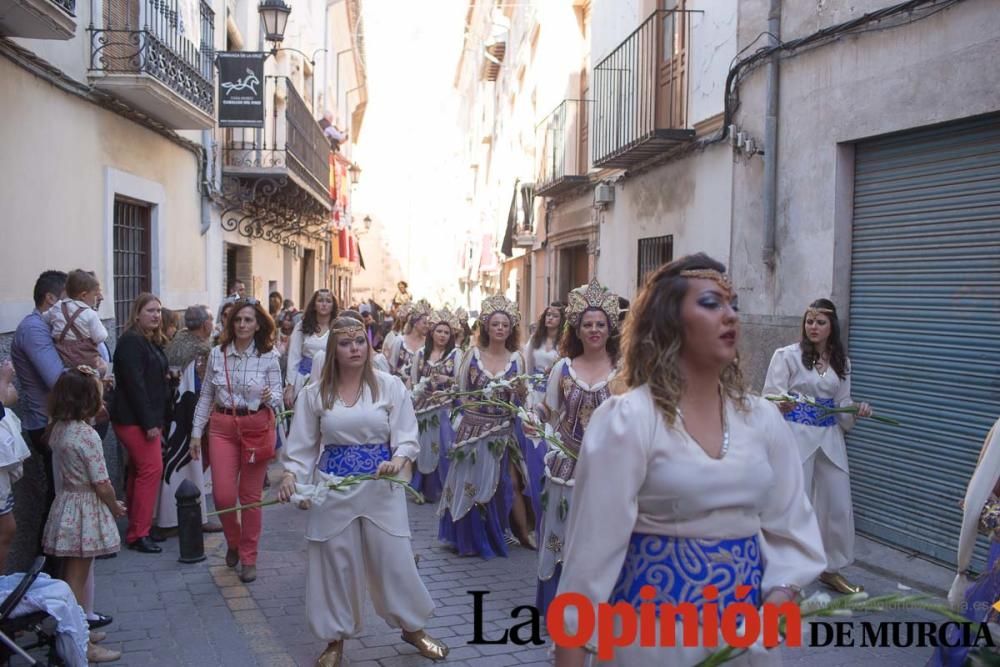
654, 252
131, 255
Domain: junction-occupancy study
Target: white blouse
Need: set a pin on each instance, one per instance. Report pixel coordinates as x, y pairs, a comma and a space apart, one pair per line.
299, 346
389, 419
539, 360
637, 474
787, 373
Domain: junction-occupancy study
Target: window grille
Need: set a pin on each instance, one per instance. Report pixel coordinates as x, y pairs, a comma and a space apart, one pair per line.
654, 252
131, 256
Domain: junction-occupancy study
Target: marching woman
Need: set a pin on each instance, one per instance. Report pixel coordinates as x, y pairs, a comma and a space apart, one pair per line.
433, 370
487, 490
542, 349
463, 333
578, 384
980, 513
357, 420
685, 480
818, 367
308, 338
402, 349
242, 394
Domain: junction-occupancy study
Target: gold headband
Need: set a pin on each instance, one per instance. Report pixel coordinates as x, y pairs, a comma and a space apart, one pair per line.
349, 329
818, 311
87, 370
721, 279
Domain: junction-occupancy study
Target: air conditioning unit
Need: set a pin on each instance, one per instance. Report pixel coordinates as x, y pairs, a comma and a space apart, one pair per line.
604, 194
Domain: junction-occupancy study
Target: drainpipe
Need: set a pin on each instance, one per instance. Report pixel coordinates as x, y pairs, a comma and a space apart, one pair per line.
771, 138
208, 181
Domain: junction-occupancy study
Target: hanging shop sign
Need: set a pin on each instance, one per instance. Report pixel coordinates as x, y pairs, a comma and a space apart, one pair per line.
241, 89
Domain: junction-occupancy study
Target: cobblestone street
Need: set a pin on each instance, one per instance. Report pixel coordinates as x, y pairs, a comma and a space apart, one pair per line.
167, 613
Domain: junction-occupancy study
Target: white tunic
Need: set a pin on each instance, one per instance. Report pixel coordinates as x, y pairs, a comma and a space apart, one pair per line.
787, 373
665, 484
540, 359
301, 346
389, 419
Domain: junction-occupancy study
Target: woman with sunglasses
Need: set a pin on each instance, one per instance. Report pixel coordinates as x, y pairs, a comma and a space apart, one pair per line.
242, 394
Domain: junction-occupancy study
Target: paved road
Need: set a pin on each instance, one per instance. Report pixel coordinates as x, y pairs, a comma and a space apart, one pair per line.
167, 613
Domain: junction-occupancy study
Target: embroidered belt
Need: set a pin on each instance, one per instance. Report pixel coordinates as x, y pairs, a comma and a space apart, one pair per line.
811, 415
343, 460
679, 568
305, 365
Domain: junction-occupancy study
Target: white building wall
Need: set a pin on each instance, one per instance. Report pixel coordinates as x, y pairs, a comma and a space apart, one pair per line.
689, 199
934, 70
58, 193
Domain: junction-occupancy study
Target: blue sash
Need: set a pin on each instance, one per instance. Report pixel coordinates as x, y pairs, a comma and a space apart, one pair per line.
811, 415
679, 568
343, 460
305, 365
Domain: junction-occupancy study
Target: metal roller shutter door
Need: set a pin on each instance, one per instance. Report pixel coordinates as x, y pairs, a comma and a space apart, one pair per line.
924, 326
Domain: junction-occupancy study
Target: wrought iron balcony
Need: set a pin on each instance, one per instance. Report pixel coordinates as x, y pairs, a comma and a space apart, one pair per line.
641, 92
158, 55
562, 143
276, 179
38, 19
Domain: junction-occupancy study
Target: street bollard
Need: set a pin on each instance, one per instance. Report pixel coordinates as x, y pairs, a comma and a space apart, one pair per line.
189, 535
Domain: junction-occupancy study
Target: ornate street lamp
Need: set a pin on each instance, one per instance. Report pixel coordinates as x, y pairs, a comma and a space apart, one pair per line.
274, 14
355, 172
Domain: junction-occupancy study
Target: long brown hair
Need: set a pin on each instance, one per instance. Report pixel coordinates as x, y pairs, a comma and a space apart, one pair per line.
654, 336
310, 323
155, 336
330, 376
263, 340
542, 332
513, 339
810, 355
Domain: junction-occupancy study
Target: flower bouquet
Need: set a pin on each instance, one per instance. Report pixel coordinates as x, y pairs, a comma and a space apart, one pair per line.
319, 493
825, 411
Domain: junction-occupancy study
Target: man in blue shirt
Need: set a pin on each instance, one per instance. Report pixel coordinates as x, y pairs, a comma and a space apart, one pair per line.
38, 366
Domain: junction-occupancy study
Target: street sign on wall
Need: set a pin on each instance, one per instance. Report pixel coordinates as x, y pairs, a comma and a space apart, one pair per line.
241, 89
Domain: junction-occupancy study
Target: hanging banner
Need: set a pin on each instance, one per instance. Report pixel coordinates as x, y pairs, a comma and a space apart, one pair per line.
241, 88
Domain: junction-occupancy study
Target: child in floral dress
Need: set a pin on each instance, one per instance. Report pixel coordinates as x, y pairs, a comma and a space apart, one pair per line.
81, 523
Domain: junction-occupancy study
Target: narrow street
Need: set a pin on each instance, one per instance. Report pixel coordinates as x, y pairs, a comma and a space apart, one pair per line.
171, 614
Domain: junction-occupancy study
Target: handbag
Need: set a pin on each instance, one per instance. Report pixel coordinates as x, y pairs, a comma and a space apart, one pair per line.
255, 443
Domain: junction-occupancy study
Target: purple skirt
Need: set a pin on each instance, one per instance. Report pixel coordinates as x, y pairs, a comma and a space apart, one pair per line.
979, 599
483, 530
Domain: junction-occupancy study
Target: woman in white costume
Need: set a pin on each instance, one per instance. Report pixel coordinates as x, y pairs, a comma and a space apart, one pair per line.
308, 337
578, 384
542, 349
685, 480
357, 420
818, 367
975, 599
436, 365
401, 349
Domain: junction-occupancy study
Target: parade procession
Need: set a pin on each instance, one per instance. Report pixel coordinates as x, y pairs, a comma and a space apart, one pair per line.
648, 333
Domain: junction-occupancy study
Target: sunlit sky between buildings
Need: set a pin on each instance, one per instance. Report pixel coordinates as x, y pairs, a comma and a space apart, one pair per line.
409, 147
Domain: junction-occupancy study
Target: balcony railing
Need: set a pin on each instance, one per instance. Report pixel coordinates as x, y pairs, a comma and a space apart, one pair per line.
168, 40
291, 142
640, 92
562, 140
